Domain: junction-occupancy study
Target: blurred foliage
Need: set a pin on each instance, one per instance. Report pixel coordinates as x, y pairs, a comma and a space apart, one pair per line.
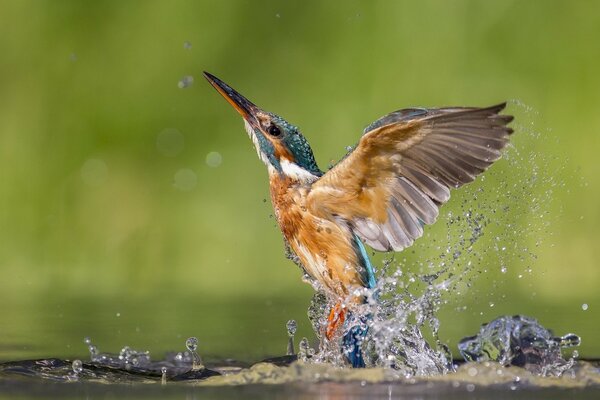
101, 214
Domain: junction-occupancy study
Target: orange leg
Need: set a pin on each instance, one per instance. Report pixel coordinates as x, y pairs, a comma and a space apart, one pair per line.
337, 316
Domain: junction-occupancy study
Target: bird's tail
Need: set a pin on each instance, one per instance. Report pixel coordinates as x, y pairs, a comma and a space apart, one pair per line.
342, 318
352, 342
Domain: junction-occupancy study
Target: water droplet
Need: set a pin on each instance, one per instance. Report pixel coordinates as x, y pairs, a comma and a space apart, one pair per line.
124, 353
472, 371
570, 340
77, 366
191, 344
163, 378
584, 306
303, 347
291, 330
291, 327
185, 179
187, 45
214, 159
170, 142
87, 340
185, 82
94, 172
470, 387
93, 351
118, 314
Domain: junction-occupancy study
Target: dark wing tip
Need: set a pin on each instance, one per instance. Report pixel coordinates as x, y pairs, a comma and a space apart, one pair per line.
504, 119
499, 107
493, 110
508, 118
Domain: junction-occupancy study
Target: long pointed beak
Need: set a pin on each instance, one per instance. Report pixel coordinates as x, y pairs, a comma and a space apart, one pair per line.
244, 106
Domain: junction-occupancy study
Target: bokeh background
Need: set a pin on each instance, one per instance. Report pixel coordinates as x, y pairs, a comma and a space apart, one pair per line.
132, 202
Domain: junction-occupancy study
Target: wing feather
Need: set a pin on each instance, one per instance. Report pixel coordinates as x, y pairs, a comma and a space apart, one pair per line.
415, 201
428, 184
403, 168
409, 222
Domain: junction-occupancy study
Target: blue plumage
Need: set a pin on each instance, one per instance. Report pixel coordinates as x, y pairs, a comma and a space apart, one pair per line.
354, 338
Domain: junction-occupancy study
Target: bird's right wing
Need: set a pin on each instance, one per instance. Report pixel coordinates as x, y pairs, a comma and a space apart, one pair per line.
402, 170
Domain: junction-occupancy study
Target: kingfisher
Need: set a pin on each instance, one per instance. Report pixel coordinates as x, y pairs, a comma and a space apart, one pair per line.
381, 194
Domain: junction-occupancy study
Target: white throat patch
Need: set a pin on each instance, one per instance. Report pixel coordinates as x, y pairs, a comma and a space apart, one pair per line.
294, 171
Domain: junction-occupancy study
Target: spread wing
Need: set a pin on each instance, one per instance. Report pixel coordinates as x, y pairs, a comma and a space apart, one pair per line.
403, 168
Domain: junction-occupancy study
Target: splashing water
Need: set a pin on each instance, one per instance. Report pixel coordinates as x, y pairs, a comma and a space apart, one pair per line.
394, 318
282, 370
77, 366
401, 311
192, 345
520, 341
291, 327
182, 365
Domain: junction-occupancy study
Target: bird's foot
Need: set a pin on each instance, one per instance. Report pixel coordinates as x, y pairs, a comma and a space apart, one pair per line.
337, 316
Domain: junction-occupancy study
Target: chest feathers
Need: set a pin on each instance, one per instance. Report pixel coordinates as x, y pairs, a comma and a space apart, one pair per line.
328, 250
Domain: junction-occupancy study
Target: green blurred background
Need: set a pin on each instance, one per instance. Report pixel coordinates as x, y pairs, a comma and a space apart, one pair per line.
131, 210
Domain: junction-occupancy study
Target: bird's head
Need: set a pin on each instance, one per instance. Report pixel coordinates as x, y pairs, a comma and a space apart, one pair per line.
278, 143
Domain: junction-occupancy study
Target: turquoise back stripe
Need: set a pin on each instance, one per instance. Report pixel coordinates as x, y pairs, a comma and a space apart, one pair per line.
364, 258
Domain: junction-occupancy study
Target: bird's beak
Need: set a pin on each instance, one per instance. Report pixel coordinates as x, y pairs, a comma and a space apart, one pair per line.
244, 106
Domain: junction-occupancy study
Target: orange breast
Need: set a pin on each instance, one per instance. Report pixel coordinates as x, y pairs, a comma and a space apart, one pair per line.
323, 246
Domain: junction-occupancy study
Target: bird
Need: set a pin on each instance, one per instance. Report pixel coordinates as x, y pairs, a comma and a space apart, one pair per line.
381, 194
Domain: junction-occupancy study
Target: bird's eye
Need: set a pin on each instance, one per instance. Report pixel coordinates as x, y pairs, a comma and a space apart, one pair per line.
273, 130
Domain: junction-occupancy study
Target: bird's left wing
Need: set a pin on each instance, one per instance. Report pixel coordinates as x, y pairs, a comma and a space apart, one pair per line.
402, 170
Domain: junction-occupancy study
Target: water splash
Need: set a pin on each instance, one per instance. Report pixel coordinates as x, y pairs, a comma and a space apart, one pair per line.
520, 341
192, 345
130, 359
489, 224
77, 367
305, 352
163, 375
291, 327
